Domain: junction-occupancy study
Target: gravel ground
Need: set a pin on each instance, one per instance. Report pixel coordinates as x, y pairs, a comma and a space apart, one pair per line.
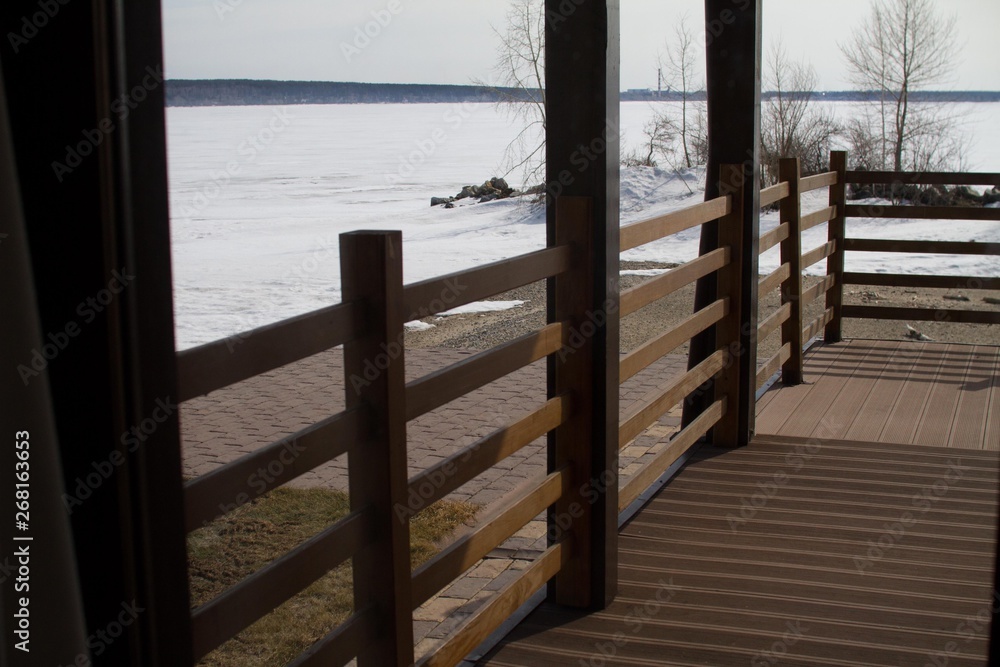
487, 330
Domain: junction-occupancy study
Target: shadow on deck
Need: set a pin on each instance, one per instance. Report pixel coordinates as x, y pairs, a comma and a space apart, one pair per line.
809, 550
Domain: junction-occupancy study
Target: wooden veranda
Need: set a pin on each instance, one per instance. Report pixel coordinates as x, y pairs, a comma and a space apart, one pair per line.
794, 546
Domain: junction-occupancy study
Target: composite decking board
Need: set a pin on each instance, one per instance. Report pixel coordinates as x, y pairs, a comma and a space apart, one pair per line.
811, 415
975, 457
817, 470
871, 419
747, 635
704, 503
787, 399
942, 404
647, 567
969, 427
845, 408
732, 574
905, 417
991, 439
887, 567
951, 503
825, 460
923, 393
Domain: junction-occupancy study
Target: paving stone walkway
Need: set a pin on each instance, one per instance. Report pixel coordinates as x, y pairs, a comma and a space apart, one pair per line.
229, 423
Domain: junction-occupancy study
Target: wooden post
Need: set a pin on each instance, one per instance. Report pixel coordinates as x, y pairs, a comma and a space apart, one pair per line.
791, 253
582, 88
733, 66
733, 430
838, 234
372, 272
572, 443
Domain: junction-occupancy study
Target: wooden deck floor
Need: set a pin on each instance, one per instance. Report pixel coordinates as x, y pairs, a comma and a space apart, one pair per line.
801, 550
893, 392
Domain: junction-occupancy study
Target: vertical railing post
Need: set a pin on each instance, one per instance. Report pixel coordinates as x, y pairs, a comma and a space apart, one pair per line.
577, 444
732, 385
372, 273
838, 234
791, 254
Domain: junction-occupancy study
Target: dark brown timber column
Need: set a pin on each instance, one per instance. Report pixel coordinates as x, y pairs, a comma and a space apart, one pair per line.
582, 75
733, 54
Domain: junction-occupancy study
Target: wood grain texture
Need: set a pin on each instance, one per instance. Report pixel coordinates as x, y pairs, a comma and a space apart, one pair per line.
718, 579
654, 229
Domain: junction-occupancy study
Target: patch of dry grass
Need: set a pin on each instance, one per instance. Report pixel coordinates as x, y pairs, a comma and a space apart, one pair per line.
235, 546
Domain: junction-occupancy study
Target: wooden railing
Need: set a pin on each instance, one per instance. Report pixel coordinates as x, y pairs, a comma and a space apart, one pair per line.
372, 431
717, 370
894, 181
789, 318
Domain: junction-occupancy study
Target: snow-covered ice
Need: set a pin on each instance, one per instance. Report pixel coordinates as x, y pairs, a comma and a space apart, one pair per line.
259, 196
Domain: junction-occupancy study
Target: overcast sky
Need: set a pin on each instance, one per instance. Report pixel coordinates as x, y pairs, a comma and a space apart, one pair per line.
452, 41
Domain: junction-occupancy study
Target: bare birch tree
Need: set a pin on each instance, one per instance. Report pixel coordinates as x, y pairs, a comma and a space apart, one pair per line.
903, 46
791, 125
519, 83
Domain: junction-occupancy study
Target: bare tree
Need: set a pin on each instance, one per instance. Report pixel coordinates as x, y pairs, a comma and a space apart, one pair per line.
519, 83
903, 46
681, 66
660, 142
791, 125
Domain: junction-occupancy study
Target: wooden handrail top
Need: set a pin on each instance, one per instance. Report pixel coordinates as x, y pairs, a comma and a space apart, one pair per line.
925, 247
438, 481
467, 550
923, 178
772, 238
817, 218
922, 212
921, 281
646, 231
644, 356
824, 180
653, 290
225, 362
437, 295
447, 384
775, 193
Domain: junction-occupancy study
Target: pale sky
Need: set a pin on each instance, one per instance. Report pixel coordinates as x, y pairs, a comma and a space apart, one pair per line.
452, 41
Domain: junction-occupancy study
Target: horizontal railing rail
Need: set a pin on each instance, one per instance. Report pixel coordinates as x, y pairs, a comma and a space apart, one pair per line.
374, 534
722, 314
909, 246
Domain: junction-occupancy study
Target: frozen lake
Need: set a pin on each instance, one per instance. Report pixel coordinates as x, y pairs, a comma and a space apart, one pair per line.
259, 195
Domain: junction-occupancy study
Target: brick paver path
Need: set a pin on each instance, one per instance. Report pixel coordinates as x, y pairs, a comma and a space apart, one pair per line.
228, 423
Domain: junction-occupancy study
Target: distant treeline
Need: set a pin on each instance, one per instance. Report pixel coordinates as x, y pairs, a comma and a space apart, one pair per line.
231, 92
